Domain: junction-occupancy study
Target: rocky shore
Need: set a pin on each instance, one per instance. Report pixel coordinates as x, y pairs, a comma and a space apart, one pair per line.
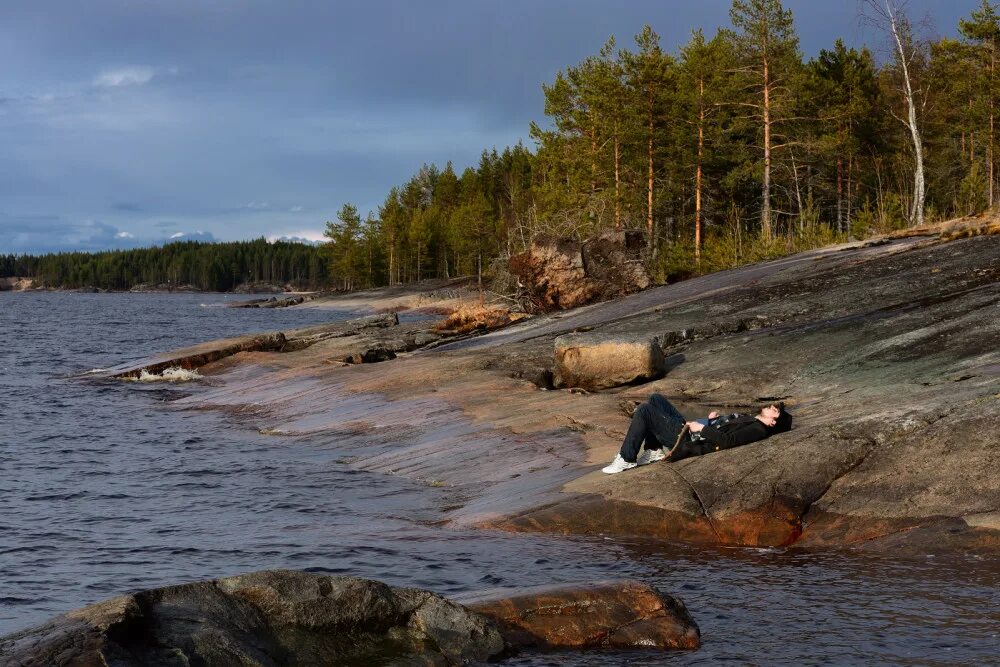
885, 351
16, 284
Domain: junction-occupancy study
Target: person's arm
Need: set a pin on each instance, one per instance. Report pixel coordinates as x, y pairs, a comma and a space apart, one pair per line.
736, 438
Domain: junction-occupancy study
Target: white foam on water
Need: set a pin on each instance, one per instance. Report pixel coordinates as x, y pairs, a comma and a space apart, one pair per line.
175, 374
95, 371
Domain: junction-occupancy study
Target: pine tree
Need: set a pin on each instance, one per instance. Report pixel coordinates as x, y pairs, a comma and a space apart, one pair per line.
982, 29
842, 95
648, 75
705, 73
769, 52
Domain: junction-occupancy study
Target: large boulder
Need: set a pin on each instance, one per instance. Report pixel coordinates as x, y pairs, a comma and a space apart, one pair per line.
594, 361
621, 615
265, 618
563, 273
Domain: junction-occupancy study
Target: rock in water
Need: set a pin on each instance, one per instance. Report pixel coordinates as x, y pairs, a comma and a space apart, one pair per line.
274, 617
622, 615
598, 361
563, 273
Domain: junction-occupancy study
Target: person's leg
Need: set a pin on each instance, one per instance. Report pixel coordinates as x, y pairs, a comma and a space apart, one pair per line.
666, 407
655, 423
637, 433
663, 423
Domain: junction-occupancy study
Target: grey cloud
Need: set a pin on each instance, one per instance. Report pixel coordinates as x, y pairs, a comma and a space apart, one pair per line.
124, 76
51, 233
41, 234
127, 206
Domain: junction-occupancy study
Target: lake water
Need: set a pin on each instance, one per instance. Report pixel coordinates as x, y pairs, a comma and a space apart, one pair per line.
107, 487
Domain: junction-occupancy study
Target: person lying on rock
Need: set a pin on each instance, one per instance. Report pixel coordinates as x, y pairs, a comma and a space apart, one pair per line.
657, 424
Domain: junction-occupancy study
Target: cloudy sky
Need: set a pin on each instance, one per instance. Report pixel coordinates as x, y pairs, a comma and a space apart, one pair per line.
126, 122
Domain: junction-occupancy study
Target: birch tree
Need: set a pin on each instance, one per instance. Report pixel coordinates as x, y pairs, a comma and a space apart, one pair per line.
890, 17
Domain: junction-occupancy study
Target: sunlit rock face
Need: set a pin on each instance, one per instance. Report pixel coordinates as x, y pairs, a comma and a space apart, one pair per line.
563, 273
620, 615
598, 361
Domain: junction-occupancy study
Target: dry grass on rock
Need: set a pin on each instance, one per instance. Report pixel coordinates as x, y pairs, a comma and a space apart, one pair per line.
478, 316
959, 228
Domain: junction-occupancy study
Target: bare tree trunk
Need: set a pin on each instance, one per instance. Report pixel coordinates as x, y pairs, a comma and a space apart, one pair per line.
880, 197
798, 192
917, 205
840, 185
989, 147
972, 140
593, 161
649, 174
618, 200
850, 181
765, 212
697, 176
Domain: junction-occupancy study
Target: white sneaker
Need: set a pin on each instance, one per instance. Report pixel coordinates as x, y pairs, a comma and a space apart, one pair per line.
650, 456
618, 465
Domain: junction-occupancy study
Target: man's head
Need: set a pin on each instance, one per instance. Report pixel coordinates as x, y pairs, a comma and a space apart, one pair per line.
769, 414
773, 416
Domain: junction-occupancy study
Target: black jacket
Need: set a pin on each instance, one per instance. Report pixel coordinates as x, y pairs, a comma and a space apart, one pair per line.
736, 431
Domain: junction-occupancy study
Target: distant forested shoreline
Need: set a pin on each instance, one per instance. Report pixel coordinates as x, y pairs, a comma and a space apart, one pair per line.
212, 267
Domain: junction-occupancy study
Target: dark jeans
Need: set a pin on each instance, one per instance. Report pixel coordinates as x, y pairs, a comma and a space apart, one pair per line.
655, 423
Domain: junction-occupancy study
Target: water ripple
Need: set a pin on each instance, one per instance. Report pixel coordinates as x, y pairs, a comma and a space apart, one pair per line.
105, 488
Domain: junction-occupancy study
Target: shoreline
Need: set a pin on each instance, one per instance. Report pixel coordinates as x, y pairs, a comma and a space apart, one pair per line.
845, 322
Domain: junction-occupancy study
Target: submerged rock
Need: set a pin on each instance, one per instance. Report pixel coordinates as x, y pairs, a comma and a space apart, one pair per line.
599, 361
265, 618
620, 615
